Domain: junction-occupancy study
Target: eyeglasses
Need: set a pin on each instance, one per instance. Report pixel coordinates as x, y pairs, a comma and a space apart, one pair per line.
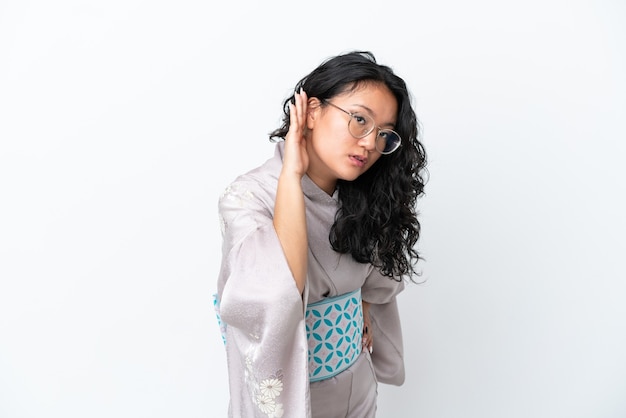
387, 141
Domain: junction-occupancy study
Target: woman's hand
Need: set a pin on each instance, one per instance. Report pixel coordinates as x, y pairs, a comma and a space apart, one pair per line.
296, 159
368, 337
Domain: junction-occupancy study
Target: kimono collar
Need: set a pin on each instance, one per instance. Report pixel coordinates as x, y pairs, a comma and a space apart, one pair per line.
313, 192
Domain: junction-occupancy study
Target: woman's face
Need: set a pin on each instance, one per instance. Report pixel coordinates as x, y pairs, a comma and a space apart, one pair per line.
333, 152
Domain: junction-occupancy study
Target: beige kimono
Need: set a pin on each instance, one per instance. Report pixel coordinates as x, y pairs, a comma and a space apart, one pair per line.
262, 312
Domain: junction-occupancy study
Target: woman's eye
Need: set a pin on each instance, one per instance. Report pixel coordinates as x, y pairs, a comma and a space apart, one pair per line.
383, 134
360, 119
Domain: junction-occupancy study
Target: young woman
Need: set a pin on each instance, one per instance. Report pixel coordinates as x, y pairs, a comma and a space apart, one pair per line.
317, 243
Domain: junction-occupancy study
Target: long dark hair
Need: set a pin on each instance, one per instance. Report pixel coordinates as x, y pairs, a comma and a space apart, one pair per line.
377, 217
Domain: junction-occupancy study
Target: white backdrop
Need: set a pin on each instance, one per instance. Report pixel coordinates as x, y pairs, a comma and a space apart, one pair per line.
122, 121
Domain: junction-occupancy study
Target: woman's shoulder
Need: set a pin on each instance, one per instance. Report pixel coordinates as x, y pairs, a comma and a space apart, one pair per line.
258, 183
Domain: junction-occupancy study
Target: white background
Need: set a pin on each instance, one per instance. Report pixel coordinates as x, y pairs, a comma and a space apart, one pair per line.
122, 121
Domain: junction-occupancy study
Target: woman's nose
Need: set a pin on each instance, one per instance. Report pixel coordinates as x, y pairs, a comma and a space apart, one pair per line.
369, 141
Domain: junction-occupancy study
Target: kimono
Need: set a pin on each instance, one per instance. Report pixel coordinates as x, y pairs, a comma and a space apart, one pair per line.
262, 313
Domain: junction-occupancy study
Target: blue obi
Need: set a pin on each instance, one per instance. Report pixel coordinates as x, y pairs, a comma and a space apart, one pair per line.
334, 329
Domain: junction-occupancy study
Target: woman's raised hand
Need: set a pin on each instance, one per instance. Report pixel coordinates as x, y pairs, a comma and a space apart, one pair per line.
296, 159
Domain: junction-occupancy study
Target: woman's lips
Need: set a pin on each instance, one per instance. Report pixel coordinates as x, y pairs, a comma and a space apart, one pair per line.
358, 160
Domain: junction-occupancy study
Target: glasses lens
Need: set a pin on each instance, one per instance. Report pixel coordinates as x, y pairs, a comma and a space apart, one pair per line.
387, 141
360, 125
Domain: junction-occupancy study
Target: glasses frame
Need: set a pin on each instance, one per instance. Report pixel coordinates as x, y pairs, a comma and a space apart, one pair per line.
353, 116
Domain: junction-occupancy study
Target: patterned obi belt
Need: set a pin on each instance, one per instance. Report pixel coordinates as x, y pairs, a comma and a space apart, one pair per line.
334, 331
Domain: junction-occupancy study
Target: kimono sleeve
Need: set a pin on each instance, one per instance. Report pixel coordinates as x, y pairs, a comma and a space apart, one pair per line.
262, 311
388, 350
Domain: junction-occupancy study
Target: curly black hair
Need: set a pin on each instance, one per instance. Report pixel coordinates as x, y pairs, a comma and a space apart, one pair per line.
377, 218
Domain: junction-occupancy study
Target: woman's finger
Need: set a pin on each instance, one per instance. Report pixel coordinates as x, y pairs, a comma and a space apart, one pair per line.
297, 116
368, 340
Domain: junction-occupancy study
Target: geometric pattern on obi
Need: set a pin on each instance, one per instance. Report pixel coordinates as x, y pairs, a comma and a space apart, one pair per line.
334, 331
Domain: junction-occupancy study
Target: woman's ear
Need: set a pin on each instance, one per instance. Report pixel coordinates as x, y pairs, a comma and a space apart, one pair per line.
312, 112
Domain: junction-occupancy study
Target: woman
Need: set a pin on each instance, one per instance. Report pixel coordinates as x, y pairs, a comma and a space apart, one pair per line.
317, 243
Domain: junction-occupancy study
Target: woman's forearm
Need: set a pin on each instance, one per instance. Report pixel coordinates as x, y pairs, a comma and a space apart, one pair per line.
290, 225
